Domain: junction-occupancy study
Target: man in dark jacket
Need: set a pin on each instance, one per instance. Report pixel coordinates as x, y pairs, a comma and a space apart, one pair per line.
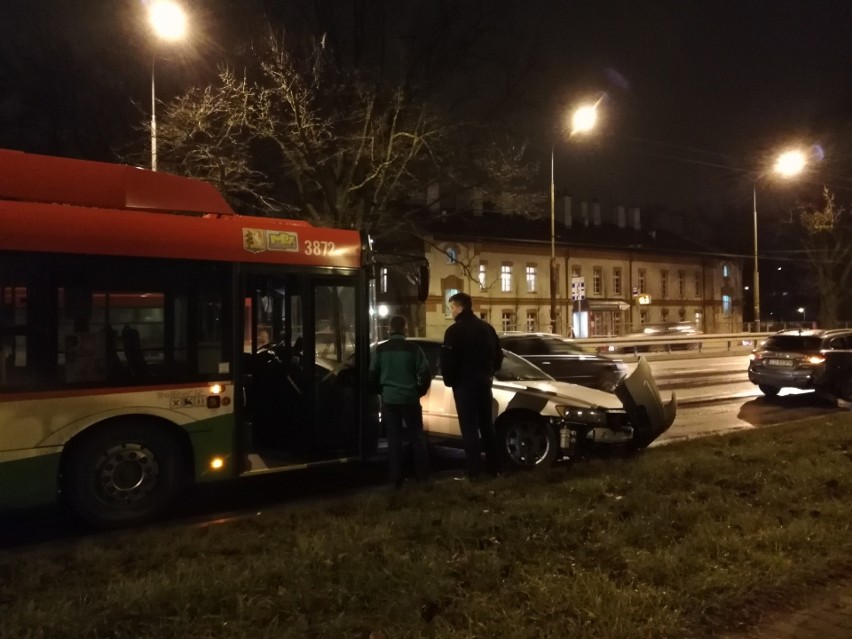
402, 372
470, 356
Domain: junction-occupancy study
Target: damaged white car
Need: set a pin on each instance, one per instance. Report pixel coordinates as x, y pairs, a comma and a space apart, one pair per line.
539, 420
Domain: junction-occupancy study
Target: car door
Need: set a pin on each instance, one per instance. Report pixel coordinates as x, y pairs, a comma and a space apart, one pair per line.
440, 419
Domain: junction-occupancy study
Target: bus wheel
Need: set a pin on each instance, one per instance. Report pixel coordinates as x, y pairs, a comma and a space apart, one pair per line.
124, 475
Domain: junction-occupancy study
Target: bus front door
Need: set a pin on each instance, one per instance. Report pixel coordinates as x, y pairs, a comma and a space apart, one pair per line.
302, 397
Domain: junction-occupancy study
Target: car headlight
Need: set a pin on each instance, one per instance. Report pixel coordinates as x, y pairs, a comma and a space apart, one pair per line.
582, 415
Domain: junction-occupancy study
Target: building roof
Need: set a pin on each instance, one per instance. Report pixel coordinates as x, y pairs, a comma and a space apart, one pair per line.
501, 227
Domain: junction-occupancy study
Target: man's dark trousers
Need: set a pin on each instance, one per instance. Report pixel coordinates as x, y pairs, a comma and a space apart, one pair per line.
473, 404
394, 415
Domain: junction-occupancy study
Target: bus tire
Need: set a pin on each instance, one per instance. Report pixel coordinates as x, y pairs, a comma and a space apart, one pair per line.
124, 474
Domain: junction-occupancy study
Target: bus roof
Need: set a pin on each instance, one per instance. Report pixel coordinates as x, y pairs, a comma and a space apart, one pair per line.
51, 204
44, 178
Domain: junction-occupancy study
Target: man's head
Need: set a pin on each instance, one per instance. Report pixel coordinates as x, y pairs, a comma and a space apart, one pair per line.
397, 324
460, 302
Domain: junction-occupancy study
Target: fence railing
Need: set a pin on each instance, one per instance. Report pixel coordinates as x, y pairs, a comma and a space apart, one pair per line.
698, 342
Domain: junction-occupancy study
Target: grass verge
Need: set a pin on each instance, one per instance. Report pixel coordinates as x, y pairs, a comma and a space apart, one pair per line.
687, 540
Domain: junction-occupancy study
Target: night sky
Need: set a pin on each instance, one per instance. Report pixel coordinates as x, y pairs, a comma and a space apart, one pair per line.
698, 94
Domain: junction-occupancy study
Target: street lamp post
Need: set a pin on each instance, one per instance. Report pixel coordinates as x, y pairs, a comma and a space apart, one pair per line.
583, 120
168, 21
803, 311
787, 164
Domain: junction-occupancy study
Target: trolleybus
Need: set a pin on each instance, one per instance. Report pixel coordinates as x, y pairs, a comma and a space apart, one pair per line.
150, 337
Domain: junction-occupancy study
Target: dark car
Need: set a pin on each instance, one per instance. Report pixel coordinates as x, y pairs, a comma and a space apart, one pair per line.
794, 358
836, 375
565, 360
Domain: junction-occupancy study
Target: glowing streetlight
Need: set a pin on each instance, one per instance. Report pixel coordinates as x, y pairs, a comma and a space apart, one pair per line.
788, 164
803, 311
168, 22
583, 120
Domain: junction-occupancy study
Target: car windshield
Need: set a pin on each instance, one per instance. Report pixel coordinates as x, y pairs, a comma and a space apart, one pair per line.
561, 346
796, 343
516, 369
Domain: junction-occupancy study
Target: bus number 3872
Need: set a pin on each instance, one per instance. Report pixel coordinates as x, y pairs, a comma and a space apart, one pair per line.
317, 247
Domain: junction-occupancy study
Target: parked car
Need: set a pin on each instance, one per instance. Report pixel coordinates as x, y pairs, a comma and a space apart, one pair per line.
565, 360
539, 420
794, 358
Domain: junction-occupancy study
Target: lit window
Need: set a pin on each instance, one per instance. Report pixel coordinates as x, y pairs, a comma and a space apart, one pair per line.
483, 275
597, 280
531, 276
726, 271
506, 278
383, 277
727, 305
452, 255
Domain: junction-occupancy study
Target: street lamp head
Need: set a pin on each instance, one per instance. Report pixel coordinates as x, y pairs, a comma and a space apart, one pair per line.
790, 163
801, 309
584, 119
167, 19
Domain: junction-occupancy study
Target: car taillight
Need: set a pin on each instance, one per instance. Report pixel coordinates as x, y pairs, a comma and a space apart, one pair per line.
815, 359
754, 356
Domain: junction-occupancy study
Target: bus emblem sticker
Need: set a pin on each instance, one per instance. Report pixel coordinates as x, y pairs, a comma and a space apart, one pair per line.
254, 240
283, 241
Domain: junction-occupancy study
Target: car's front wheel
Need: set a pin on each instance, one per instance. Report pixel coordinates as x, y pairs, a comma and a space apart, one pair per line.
527, 442
769, 391
844, 389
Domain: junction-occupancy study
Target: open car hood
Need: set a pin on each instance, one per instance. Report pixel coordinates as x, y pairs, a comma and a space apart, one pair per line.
641, 398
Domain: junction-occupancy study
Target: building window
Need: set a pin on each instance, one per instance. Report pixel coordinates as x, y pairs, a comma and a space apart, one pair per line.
681, 313
616, 323
597, 280
576, 270
664, 315
507, 321
697, 284
640, 280
531, 277
643, 316
532, 321
727, 305
616, 281
452, 254
726, 270
448, 293
483, 276
483, 315
506, 278
681, 284
664, 284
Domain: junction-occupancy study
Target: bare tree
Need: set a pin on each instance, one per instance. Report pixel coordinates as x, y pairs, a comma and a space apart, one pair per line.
299, 135
827, 239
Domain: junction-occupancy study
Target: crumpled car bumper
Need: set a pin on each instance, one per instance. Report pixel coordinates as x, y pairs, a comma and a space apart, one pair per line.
649, 415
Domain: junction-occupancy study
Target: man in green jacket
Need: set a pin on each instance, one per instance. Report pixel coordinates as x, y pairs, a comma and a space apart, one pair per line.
402, 372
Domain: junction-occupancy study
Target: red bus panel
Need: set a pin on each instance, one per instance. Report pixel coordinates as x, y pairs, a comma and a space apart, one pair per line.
110, 211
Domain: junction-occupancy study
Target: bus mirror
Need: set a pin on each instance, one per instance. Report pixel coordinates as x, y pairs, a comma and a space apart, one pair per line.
423, 282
